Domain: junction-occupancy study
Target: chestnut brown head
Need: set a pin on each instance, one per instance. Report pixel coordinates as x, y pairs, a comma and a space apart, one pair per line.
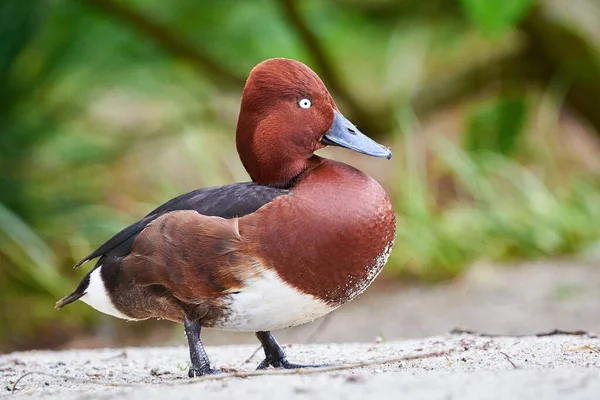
285, 116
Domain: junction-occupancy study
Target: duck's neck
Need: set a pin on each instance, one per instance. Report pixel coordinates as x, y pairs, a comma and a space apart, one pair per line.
280, 172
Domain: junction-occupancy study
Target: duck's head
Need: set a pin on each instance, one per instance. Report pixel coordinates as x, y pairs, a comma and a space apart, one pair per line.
286, 115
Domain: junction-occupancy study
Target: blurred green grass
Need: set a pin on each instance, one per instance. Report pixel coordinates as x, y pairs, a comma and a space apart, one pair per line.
505, 213
100, 122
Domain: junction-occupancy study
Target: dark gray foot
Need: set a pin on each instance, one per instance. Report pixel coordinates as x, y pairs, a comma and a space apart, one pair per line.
200, 365
275, 356
285, 364
193, 372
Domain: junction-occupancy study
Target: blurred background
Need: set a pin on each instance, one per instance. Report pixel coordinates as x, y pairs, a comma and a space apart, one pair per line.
491, 108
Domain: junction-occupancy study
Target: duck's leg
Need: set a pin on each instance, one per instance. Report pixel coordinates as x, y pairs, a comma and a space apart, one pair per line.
200, 365
275, 356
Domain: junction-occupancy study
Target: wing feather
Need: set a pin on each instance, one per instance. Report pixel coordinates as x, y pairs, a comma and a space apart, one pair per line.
227, 201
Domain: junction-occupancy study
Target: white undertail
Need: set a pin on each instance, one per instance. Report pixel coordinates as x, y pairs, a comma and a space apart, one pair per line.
96, 296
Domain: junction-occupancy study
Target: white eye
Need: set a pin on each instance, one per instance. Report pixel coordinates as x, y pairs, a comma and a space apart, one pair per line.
305, 103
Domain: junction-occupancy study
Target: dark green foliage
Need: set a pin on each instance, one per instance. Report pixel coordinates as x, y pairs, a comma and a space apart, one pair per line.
496, 125
496, 17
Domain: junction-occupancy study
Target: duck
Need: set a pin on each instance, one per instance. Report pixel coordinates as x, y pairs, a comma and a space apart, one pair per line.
306, 235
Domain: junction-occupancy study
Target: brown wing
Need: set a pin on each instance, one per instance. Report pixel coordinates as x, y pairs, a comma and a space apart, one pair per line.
227, 201
195, 257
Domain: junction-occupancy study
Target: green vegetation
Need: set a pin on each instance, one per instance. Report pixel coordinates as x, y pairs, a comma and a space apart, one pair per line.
110, 107
505, 212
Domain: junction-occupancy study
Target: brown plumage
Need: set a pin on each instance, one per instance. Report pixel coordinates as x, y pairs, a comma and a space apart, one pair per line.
325, 237
275, 138
191, 260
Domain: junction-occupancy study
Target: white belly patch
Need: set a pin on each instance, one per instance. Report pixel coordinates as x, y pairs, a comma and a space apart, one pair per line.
268, 303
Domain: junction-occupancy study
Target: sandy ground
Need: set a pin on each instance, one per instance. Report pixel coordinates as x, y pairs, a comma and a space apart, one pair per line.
471, 368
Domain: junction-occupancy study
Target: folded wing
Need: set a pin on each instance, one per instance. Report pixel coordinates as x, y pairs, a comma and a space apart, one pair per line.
227, 201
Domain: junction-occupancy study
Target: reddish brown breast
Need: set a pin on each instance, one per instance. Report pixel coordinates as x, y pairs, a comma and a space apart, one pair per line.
330, 237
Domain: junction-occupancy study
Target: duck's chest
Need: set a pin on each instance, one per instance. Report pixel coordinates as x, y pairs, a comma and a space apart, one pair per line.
331, 237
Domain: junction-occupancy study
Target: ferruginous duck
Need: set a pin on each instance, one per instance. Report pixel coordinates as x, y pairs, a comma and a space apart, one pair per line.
307, 235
